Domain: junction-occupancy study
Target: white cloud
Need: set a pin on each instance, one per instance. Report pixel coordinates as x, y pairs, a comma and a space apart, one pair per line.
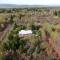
32, 2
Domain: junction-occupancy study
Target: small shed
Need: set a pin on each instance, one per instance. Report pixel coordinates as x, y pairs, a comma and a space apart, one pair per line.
25, 32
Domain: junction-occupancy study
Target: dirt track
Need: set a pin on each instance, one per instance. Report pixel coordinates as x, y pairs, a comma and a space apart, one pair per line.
4, 33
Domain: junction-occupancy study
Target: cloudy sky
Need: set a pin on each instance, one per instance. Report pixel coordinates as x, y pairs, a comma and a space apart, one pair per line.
31, 2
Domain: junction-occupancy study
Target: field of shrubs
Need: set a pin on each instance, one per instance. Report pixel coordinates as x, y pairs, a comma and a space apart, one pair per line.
44, 42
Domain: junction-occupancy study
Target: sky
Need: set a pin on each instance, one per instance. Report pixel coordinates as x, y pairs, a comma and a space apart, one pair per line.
31, 2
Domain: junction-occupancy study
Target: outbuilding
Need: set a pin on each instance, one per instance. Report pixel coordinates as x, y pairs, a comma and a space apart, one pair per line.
25, 32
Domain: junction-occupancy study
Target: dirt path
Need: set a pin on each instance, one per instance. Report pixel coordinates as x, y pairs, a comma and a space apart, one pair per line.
5, 33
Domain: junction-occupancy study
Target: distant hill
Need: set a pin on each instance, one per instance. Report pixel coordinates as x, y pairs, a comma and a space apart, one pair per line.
8, 6
25, 6
20, 6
